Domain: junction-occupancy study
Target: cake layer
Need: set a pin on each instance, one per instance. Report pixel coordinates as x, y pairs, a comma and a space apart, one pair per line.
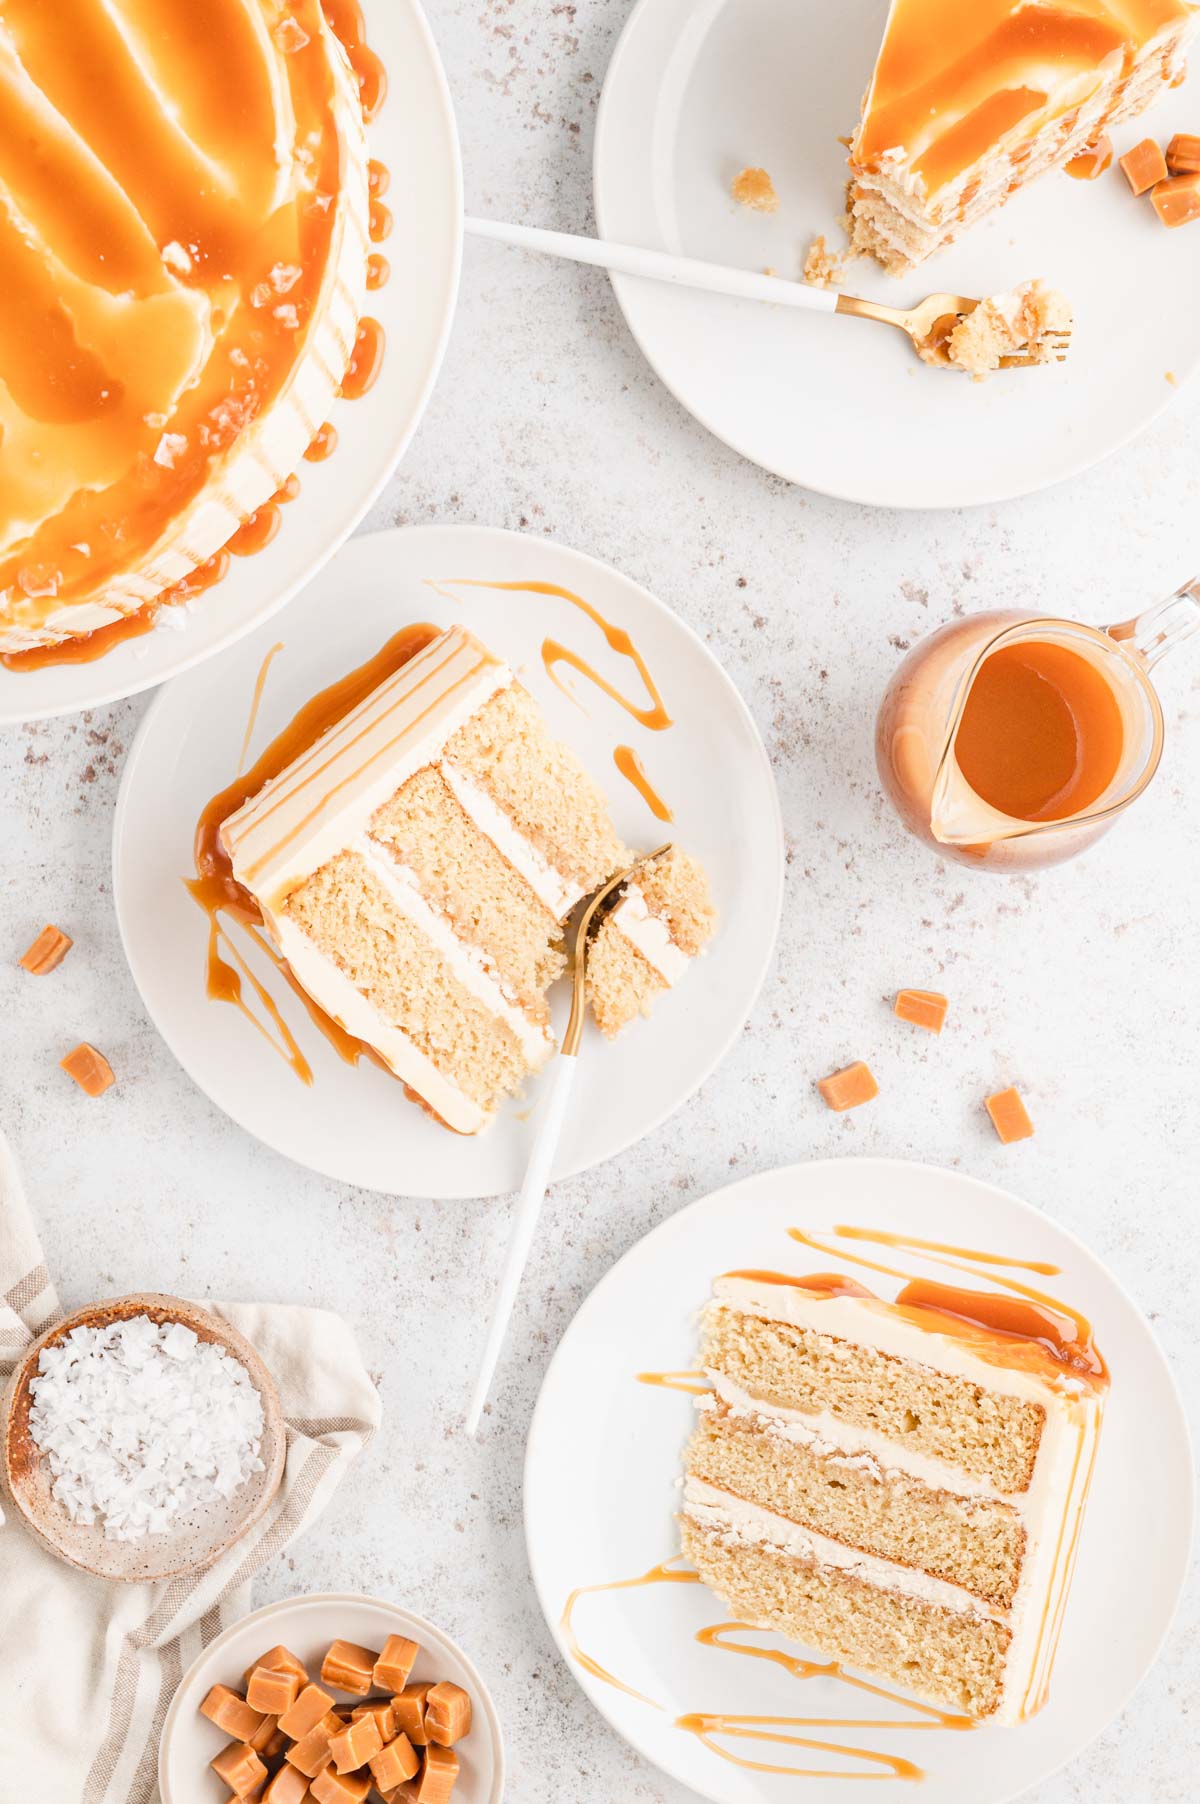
971, 1542
506, 751
184, 262
968, 104
381, 936
953, 1657
992, 1436
492, 906
646, 942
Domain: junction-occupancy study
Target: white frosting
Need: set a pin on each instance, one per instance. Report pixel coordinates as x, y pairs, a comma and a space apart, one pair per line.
269, 449
649, 934
555, 892
746, 1524
1050, 1509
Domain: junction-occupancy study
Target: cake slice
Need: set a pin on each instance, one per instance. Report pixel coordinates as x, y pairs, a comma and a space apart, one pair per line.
414, 868
968, 103
646, 942
899, 1486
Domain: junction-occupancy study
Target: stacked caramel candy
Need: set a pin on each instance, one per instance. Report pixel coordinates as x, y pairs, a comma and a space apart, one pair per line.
294, 1744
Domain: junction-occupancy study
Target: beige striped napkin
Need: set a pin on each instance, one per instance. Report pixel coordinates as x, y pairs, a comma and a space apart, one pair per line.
87, 1668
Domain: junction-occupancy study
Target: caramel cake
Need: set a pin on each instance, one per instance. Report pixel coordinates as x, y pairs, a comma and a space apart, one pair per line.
183, 258
414, 867
646, 942
899, 1486
968, 103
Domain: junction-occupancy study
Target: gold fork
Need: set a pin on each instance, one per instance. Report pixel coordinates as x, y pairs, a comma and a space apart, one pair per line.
545, 1144
930, 324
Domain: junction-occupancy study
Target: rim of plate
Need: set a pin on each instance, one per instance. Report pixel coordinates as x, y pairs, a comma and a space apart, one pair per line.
769, 944
429, 1634
357, 505
781, 1174
625, 287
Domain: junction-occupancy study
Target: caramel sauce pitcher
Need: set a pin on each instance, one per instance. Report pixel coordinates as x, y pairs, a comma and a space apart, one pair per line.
1058, 724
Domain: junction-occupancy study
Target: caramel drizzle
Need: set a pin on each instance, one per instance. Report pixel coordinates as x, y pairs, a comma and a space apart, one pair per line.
256, 703
667, 1573
217, 892
694, 1383
633, 771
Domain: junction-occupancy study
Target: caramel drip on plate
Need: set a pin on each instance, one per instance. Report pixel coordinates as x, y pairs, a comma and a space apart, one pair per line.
664, 1574
633, 771
366, 360
877, 1235
324, 444
218, 893
654, 716
1039, 1334
378, 271
256, 703
256, 531
694, 1383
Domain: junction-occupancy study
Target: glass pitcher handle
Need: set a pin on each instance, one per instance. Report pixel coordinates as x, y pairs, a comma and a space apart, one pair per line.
1154, 633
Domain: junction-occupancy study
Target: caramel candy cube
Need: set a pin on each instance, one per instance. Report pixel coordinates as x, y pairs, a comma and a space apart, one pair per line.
252, 1797
1144, 165
289, 1786
395, 1663
312, 1753
439, 1770
268, 1740
381, 1710
277, 1659
90, 1069
447, 1713
349, 1667
356, 1744
231, 1713
47, 952
1177, 202
340, 1788
240, 1767
394, 1764
310, 1708
1010, 1117
924, 1008
272, 1692
847, 1088
1183, 158
409, 1710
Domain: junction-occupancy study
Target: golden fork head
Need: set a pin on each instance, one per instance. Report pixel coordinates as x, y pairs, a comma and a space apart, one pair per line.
589, 918
931, 322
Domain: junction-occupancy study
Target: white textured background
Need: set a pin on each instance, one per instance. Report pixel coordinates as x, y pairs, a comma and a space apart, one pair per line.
1080, 985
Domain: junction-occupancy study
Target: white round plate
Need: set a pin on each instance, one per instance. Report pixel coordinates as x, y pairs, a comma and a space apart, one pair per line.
605, 1455
698, 88
355, 1124
306, 1626
415, 136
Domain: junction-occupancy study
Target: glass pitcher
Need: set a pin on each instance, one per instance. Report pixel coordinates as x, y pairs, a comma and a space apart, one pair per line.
922, 711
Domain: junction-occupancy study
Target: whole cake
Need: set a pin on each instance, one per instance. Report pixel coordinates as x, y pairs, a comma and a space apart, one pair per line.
415, 866
898, 1485
183, 252
969, 102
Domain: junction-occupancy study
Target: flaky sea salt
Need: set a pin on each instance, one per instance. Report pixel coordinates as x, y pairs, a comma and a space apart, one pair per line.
143, 1424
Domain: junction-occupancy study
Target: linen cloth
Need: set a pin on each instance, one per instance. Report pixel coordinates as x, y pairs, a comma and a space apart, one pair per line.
89, 1666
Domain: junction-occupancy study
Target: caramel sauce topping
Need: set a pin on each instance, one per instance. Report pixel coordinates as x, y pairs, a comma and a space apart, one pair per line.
953, 79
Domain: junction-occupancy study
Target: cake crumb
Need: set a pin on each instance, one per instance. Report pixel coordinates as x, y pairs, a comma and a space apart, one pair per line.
824, 268
1002, 326
1172, 378
754, 188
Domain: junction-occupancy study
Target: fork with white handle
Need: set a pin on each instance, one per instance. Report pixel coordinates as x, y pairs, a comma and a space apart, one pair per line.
928, 325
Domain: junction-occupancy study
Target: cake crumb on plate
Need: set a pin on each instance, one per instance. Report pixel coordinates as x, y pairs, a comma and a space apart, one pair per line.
754, 188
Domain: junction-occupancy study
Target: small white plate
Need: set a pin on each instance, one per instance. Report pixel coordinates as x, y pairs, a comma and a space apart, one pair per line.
604, 1460
415, 136
697, 89
355, 1124
307, 1625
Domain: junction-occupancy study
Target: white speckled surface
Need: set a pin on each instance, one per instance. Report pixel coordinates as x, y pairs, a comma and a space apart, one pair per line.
1080, 985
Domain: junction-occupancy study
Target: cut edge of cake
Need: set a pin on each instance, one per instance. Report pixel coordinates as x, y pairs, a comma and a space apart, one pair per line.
902, 1499
662, 920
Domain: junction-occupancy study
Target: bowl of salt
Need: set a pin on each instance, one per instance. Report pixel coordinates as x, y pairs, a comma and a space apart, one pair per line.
142, 1437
